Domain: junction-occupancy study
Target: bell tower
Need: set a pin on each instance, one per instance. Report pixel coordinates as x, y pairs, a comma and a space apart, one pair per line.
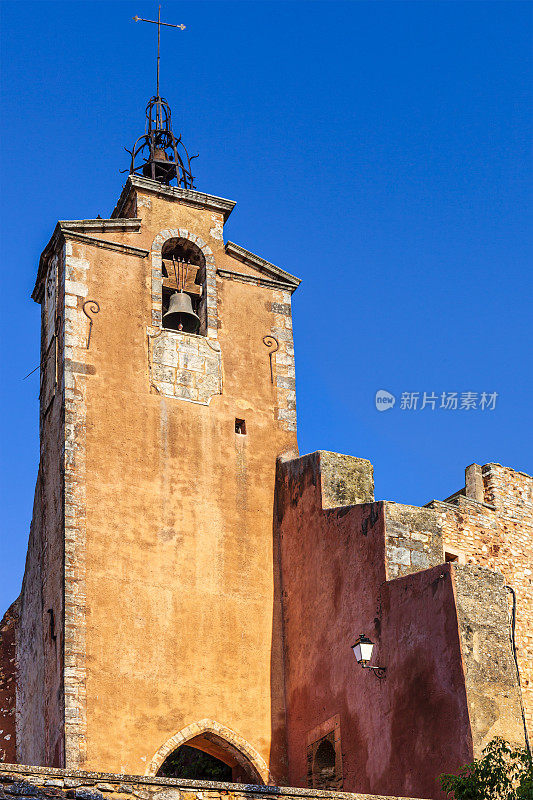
167, 392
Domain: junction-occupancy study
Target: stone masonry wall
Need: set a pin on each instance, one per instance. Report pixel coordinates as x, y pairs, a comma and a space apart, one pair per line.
185, 365
39, 638
496, 531
41, 783
414, 539
283, 360
492, 691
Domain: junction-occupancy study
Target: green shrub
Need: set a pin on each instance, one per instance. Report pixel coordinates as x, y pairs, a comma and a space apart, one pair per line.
503, 773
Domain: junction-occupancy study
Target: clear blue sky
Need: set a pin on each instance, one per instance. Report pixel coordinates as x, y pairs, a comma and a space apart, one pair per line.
380, 151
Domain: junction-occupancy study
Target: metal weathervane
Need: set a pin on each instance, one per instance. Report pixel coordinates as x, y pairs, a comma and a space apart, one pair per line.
159, 23
159, 148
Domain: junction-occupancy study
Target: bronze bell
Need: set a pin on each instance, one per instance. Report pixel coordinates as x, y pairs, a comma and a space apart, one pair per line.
180, 316
164, 169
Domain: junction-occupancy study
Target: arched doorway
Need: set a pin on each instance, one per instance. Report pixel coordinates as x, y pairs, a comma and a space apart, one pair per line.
207, 750
189, 762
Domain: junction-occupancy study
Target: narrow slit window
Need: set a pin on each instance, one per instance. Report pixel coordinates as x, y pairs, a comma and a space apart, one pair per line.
454, 556
240, 426
451, 557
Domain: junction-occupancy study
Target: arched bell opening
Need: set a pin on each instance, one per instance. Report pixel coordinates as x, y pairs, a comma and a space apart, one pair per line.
209, 757
183, 294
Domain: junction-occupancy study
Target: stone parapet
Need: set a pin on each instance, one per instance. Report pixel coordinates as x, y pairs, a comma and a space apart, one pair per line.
41, 783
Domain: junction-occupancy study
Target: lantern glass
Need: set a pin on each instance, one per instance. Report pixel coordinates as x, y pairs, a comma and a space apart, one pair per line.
362, 649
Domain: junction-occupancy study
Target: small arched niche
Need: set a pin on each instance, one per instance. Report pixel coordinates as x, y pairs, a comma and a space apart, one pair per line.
183, 268
209, 757
324, 772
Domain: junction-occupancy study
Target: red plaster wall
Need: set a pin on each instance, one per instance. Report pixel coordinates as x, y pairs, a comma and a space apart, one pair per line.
8, 685
399, 733
422, 728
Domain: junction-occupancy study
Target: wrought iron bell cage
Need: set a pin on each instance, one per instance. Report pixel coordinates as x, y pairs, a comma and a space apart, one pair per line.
158, 154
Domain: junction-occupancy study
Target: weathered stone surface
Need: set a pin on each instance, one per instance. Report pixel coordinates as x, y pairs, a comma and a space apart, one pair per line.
21, 781
496, 531
414, 539
345, 480
185, 366
153, 526
490, 673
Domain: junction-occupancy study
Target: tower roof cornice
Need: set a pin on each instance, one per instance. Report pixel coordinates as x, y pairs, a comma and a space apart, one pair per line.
188, 196
284, 278
82, 229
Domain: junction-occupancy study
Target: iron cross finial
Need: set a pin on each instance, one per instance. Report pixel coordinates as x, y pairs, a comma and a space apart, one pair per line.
158, 23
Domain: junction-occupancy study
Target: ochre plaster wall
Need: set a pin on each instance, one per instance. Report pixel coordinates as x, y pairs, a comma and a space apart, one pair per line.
180, 618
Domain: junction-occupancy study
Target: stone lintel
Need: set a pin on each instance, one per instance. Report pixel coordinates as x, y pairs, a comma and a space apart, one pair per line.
101, 225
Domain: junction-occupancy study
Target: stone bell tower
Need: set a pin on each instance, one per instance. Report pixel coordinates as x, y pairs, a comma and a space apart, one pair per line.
150, 611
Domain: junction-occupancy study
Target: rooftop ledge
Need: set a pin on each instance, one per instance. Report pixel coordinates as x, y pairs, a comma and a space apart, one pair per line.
190, 196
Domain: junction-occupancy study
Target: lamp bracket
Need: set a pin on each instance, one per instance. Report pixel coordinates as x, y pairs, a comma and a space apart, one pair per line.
379, 672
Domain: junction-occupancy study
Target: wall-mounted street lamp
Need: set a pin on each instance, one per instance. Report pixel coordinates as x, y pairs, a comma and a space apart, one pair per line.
362, 650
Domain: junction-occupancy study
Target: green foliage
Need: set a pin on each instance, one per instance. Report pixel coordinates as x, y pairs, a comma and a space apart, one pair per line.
503, 773
188, 762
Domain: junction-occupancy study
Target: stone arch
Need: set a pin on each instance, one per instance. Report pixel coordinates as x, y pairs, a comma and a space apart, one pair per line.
180, 233
210, 295
240, 749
